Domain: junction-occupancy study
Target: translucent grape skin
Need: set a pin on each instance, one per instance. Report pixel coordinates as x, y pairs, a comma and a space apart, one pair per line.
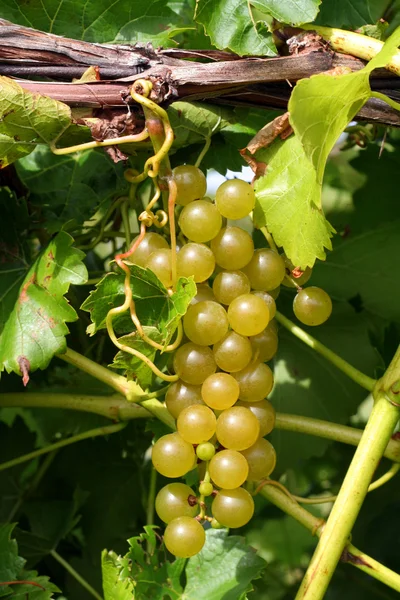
261, 458
205, 323
265, 413
233, 248
230, 284
150, 243
200, 221
265, 344
172, 456
160, 263
233, 508
205, 451
235, 199
255, 382
312, 306
193, 363
184, 537
233, 353
289, 267
248, 314
196, 424
269, 301
190, 182
204, 292
180, 395
173, 501
228, 469
220, 391
266, 270
195, 260
237, 428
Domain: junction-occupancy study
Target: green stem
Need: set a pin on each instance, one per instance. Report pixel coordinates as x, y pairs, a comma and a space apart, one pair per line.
269, 238
125, 221
204, 151
75, 574
159, 410
372, 567
363, 380
386, 99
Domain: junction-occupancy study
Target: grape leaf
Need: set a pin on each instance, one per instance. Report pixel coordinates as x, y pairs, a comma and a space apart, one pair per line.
115, 588
230, 25
289, 11
351, 14
133, 367
35, 329
192, 122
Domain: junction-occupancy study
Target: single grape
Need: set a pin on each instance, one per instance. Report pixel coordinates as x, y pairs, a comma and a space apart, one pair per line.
265, 413
193, 363
176, 500
200, 221
269, 301
255, 382
215, 524
266, 270
205, 451
195, 260
196, 424
230, 284
206, 488
205, 323
233, 353
220, 391
261, 458
190, 182
233, 508
289, 268
228, 469
204, 292
235, 199
237, 428
172, 456
232, 248
275, 292
248, 314
160, 263
265, 344
184, 537
149, 244
312, 306
180, 395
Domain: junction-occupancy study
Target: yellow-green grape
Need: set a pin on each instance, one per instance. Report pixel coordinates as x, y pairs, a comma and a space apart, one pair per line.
195, 260
206, 488
172, 456
184, 537
160, 263
190, 182
255, 382
216, 524
193, 363
200, 221
266, 270
289, 268
233, 508
265, 344
228, 285
275, 292
233, 353
265, 413
204, 292
176, 500
196, 424
228, 469
205, 323
261, 458
205, 451
235, 199
232, 248
312, 306
269, 301
248, 314
220, 391
180, 395
149, 244
237, 428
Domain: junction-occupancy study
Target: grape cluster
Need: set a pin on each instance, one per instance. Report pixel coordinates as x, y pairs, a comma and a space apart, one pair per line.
219, 401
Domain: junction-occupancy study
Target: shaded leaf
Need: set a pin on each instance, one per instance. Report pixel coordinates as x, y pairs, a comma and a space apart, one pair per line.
192, 122
350, 15
133, 367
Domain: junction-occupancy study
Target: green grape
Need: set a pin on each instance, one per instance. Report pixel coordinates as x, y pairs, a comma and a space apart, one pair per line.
265, 413
193, 363
216, 524
261, 458
289, 268
235, 199
204, 292
220, 391
230, 284
237, 428
312, 306
172, 456
275, 292
200, 221
205, 451
248, 314
269, 301
180, 395
149, 244
184, 537
195, 260
196, 424
228, 469
190, 182
233, 353
206, 488
265, 344
205, 323
232, 248
160, 263
233, 508
266, 270
176, 500
255, 382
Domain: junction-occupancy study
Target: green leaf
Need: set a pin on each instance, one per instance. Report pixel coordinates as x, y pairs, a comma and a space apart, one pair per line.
35, 329
10, 563
193, 122
229, 23
351, 15
115, 588
133, 367
223, 570
289, 11
287, 202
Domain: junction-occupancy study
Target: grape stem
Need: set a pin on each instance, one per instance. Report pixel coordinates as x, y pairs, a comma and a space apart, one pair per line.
363, 380
202, 502
272, 245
